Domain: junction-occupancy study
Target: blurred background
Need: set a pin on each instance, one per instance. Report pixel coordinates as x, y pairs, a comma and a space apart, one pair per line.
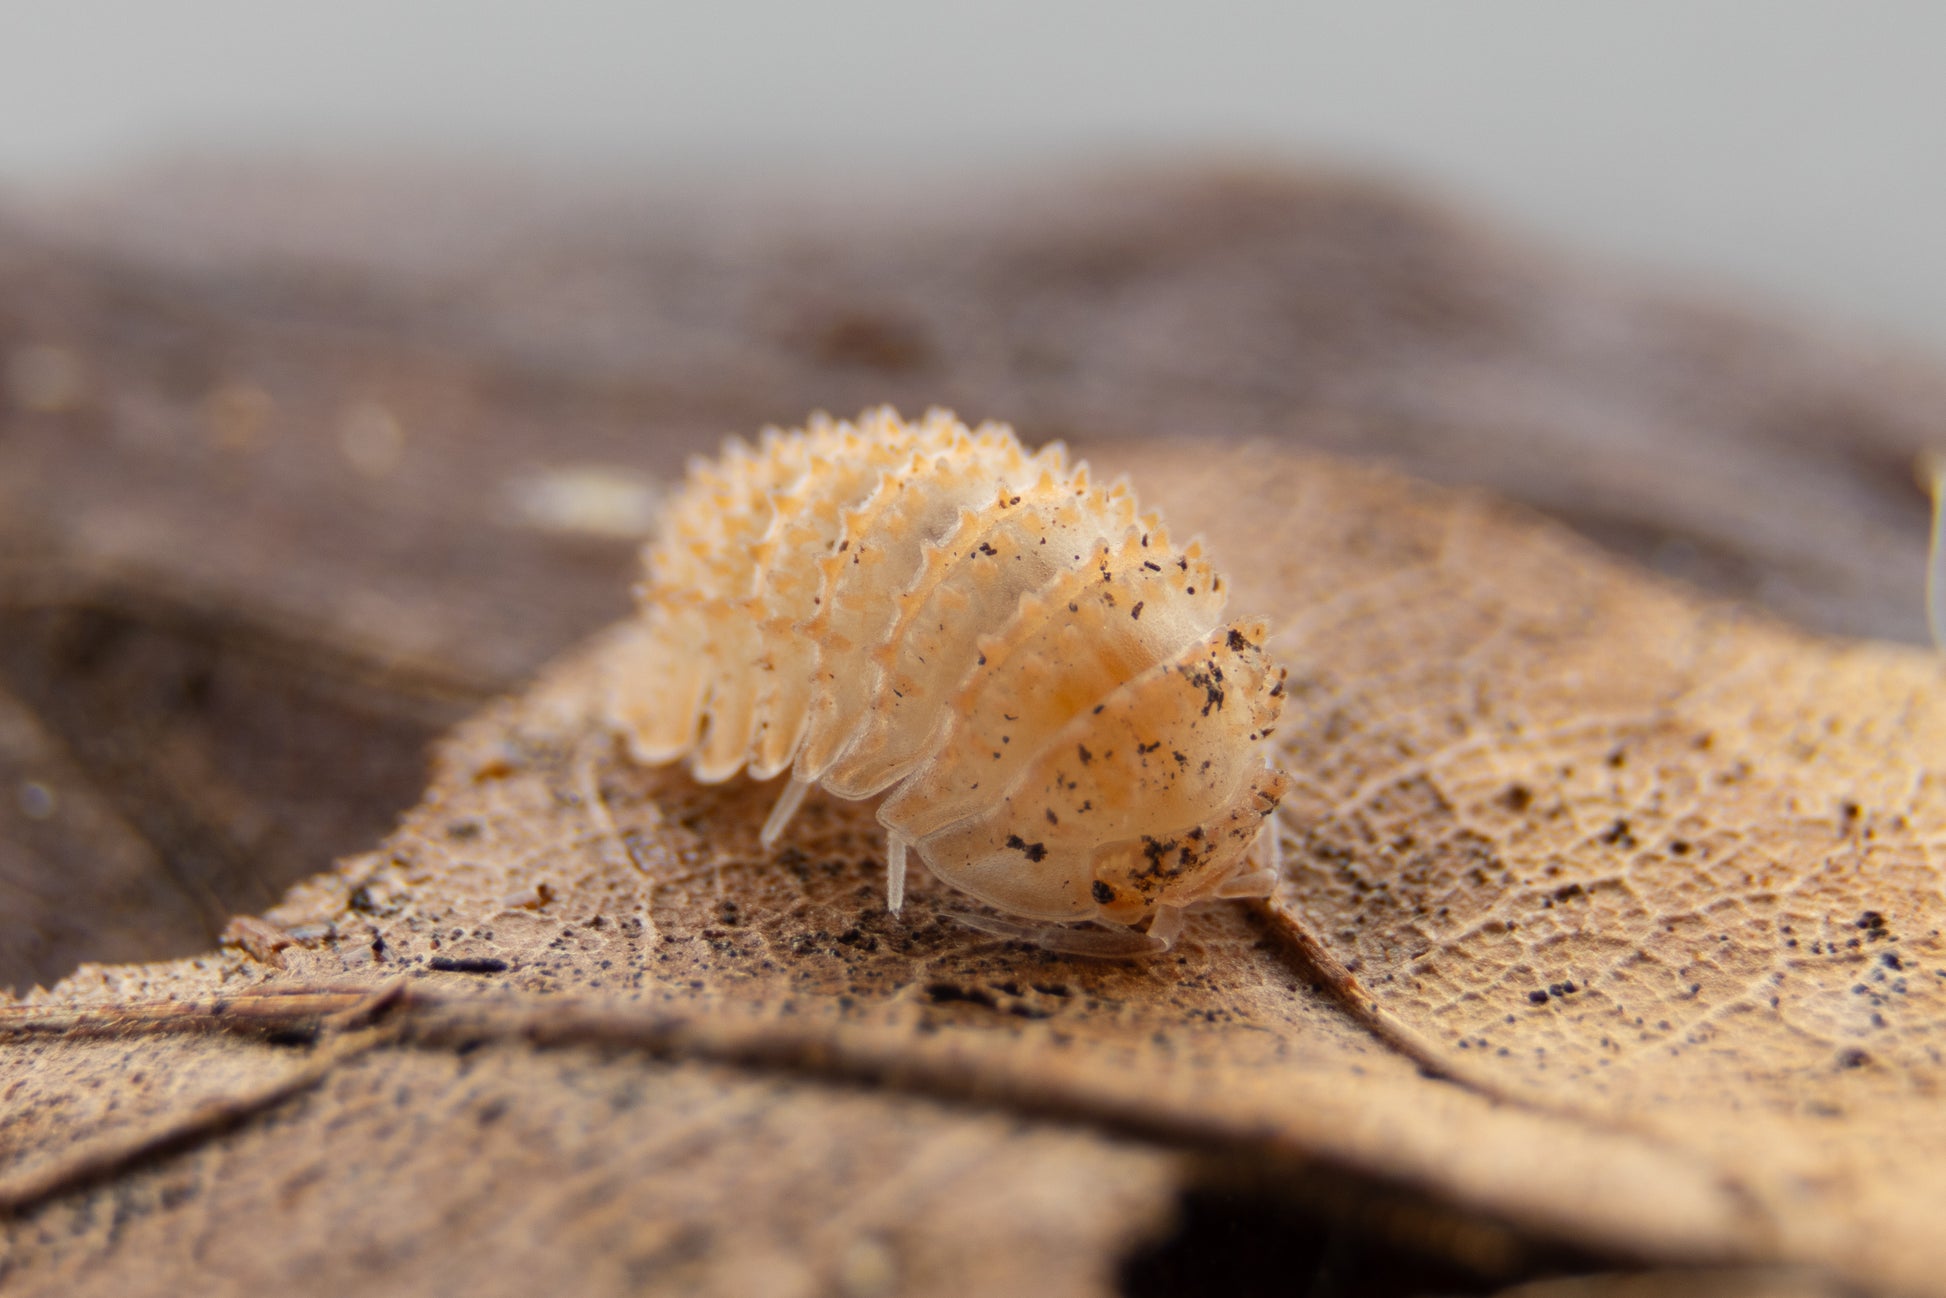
1789, 150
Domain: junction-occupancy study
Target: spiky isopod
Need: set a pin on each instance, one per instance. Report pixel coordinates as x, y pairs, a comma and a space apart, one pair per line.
1038, 680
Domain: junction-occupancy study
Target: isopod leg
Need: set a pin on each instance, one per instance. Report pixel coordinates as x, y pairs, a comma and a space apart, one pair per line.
780, 815
1270, 845
1269, 854
1258, 883
894, 873
1166, 927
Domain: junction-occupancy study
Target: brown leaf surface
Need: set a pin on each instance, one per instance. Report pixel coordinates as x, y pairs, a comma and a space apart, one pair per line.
1501, 737
1666, 867
183, 765
442, 1171
59, 839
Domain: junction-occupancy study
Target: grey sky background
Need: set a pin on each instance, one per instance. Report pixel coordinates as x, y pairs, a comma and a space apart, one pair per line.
1793, 150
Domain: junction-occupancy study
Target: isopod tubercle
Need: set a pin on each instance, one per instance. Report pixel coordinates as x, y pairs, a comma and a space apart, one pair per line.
1037, 681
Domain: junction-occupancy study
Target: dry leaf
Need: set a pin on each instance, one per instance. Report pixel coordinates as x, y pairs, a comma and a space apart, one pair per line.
1667, 868
488, 1170
1501, 739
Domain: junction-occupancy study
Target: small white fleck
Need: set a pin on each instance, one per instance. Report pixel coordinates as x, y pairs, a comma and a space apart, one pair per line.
37, 801
588, 500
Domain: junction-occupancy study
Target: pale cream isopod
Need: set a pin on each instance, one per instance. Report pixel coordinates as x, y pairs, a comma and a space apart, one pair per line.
1038, 682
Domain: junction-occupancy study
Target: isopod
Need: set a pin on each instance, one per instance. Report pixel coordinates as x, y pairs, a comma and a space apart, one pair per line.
1037, 680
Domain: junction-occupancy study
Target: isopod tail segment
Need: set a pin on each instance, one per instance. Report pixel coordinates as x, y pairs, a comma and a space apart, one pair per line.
1039, 683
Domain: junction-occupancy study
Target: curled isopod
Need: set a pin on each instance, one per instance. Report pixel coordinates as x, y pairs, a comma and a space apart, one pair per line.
1037, 680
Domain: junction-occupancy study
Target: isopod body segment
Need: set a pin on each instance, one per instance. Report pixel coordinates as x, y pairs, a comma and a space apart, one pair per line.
1037, 680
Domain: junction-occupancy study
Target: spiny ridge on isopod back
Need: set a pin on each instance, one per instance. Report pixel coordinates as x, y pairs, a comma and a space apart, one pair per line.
1038, 680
